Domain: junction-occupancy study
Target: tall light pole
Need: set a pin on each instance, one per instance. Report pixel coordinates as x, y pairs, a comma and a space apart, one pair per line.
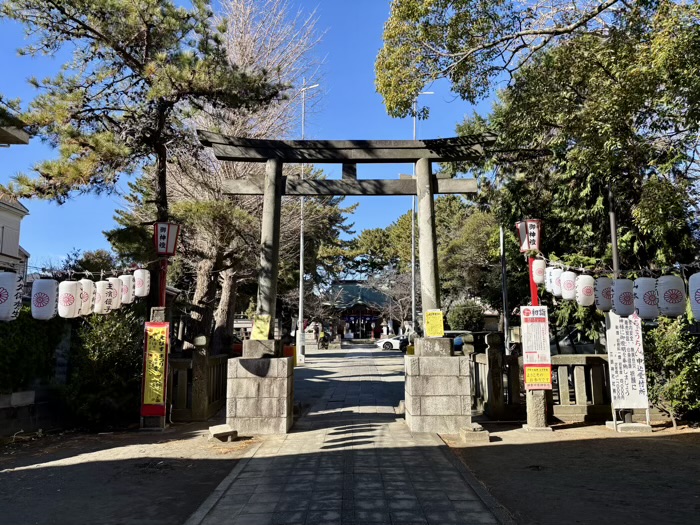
413, 223
300, 322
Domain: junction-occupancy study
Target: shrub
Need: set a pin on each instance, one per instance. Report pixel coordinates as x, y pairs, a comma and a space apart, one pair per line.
105, 369
673, 368
466, 316
27, 349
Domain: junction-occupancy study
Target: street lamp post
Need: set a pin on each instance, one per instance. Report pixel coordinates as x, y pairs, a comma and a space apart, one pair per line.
300, 322
413, 222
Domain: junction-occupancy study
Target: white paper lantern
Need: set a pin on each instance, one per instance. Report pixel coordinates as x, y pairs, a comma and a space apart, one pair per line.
556, 282
44, 299
142, 282
670, 290
69, 302
87, 297
548, 281
11, 285
645, 300
102, 292
585, 290
568, 286
116, 293
538, 271
623, 297
694, 294
128, 289
603, 294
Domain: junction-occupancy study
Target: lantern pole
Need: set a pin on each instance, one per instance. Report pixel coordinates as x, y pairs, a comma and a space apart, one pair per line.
533, 285
504, 291
163, 281
613, 232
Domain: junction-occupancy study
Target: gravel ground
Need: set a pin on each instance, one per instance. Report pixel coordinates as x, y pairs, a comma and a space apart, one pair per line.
124, 478
589, 474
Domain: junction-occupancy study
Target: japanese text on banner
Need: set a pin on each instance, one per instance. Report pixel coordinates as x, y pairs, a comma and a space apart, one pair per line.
156, 355
628, 382
537, 359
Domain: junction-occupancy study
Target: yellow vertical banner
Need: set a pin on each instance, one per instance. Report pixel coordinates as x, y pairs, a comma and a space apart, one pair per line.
155, 367
434, 324
261, 328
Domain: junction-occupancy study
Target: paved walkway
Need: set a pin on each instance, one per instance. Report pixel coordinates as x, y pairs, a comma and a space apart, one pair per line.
349, 458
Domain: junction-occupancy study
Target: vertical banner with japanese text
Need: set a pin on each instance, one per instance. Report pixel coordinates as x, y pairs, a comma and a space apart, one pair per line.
537, 359
628, 380
155, 368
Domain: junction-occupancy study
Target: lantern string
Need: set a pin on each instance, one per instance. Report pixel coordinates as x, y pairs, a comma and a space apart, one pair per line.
681, 268
59, 274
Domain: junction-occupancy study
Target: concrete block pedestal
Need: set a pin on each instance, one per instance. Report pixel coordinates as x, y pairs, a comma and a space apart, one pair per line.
260, 395
438, 394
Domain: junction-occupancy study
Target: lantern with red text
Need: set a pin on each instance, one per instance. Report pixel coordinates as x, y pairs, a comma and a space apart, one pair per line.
623, 297
645, 300
603, 294
556, 281
538, 271
128, 290
568, 285
585, 290
142, 282
670, 290
87, 296
694, 294
44, 299
69, 299
11, 285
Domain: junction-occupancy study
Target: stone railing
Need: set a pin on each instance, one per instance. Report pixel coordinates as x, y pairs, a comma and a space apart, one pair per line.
198, 402
580, 389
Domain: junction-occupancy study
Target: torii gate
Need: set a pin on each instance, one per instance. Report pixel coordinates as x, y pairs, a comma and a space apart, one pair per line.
349, 153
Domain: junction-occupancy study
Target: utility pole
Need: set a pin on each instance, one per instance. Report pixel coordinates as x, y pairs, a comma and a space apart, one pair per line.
300, 322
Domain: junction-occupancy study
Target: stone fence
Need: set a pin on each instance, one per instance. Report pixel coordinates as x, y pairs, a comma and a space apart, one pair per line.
580, 387
197, 387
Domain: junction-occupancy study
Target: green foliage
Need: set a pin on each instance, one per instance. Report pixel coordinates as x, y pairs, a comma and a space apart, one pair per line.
673, 367
466, 316
27, 350
106, 360
138, 70
471, 42
618, 112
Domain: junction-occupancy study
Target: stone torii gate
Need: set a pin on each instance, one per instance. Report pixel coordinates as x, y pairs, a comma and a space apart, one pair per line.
349, 153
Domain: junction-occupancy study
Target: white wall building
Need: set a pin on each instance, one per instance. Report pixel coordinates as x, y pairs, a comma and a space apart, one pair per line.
12, 256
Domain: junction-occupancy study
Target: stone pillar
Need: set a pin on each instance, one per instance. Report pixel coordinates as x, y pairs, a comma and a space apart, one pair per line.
495, 351
438, 394
270, 242
200, 379
260, 395
536, 406
427, 246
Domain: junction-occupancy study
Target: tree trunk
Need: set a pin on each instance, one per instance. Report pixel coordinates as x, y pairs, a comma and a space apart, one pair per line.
223, 318
204, 296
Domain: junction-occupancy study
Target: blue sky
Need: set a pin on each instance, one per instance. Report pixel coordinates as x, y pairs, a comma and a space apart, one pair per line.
349, 108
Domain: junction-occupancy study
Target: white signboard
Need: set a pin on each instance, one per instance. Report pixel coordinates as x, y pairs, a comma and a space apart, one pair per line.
628, 380
537, 359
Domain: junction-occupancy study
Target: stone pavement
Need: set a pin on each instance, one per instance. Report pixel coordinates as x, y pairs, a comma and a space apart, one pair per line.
349, 459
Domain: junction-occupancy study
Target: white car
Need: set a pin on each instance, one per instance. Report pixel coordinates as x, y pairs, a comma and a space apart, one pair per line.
392, 343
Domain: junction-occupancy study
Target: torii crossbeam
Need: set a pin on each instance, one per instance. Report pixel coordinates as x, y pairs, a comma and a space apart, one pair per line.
349, 153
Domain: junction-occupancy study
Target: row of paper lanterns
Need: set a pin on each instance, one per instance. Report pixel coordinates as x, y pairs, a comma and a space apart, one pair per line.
649, 297
71, 299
